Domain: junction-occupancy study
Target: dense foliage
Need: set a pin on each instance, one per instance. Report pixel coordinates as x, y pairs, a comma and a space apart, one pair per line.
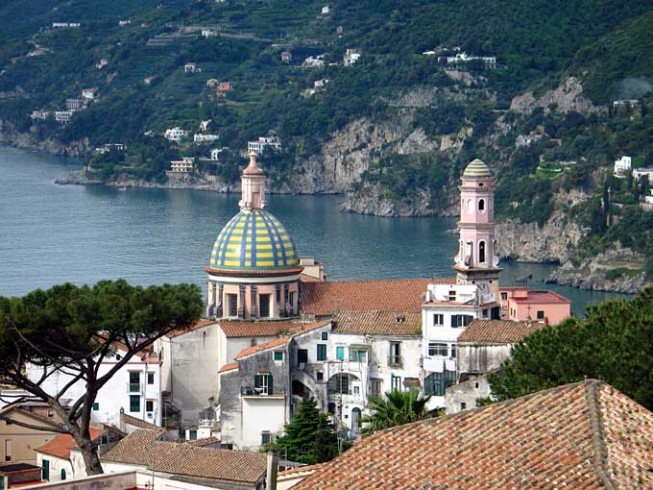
612, 344
75, 329
310, 438
396, 408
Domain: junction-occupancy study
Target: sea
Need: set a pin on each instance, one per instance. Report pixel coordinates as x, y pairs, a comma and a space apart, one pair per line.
51, 234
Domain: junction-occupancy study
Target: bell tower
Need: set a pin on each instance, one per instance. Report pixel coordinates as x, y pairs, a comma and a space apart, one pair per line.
476, 262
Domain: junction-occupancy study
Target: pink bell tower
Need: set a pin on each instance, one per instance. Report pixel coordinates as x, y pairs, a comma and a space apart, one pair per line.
476, 262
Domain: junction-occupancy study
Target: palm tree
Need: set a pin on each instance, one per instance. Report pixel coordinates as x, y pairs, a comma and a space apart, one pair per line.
397, 408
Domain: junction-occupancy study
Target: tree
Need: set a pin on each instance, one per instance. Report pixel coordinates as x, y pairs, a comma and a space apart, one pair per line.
72, 329
397, 408
613, 344
310, 438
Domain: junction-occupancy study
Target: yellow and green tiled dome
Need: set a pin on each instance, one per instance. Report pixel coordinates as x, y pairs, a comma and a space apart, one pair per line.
477, 168
254, 241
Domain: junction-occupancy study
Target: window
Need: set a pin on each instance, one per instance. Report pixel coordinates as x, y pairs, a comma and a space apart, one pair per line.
321, 352
134, 403
481, 205
395, 353
375, 386
278, 355
395, 383
452, 295
232, 305
454, 350
438, 319
540, 315
357, 390
46, 469
481, 252
320, 376
149, 405
264, 305
150, 378
263, 384
325, 335
461, 320
357, 355
266, 437
302, 356
485, 313
8, 450
340, 353
340, 384
192, 434
291, 300
63, 474
437, 383
96, 406
463, 406
438, 349
134, 381
50, 413
504, 296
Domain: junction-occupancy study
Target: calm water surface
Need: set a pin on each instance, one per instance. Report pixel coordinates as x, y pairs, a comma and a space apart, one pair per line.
51, 234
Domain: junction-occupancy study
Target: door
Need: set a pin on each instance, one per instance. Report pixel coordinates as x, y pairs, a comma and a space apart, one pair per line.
46, 469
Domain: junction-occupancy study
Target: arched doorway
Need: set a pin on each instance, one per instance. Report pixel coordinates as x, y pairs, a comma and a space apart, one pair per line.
355, 419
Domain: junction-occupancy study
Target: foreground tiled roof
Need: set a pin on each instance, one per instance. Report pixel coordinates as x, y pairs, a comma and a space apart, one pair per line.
187, 460
228, 367
580, 436
136, 448
378, 322
328, 298
215, 464
498, 331
61, 445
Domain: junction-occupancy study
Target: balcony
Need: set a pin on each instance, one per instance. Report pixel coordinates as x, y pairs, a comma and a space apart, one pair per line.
261, 392
135, 387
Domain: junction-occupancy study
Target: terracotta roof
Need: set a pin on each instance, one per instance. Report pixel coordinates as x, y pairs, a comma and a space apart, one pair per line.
298, 329
542, 297
141, 424
498, 331
308, 469
200, 324
136, 448
209, 463
61, 445
378, 322
228, 367
236, 328
581, 436
327, 298
203, 442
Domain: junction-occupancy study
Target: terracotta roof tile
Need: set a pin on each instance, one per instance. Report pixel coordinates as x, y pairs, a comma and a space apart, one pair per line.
135, 422
327, 298
297, 329
61, 445
378, 322
542, 297
581, 436
498, 331
203, 442
236, 328
228, 367
136, 448
209, 463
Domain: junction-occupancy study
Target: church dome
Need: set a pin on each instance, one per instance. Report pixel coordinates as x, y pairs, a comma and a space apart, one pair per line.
477, 168
254, 241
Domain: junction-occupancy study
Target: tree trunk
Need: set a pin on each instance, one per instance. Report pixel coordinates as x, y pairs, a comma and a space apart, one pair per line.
91, 458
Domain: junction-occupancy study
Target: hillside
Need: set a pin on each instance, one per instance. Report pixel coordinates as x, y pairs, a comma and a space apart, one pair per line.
392, 130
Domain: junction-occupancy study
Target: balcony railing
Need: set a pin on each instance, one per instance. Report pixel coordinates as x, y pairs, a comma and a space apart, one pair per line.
260, 391
135, 387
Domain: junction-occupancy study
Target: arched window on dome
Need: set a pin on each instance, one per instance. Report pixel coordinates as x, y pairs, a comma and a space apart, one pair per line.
481, 252
481, 205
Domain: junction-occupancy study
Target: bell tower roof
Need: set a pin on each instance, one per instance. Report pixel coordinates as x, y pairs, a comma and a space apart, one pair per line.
477, 168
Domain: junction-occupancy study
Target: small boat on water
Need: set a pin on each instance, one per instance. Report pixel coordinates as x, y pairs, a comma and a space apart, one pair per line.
122, 189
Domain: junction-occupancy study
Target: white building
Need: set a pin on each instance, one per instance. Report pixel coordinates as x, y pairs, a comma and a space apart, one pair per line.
638, 173
263, 142
215, 154
314, 61
174, 134
89, 93
205, 138
351, 56
63, 117
623, 166
463, 58
135, 388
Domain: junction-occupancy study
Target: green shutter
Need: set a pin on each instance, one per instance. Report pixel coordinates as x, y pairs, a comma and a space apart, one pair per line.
46, 469
270, 385
340, 353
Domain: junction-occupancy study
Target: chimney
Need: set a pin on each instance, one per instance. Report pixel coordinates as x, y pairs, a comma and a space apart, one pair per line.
271, 478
